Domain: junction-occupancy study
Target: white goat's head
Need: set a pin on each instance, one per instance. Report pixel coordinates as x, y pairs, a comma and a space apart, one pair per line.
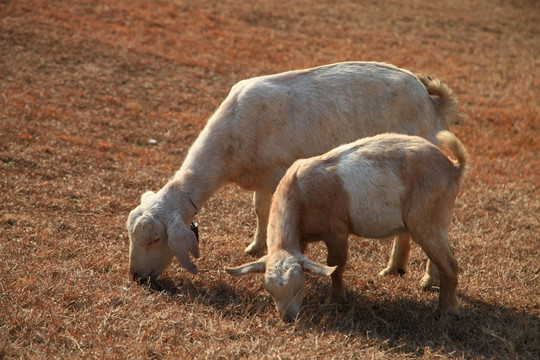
284, 278
156, 236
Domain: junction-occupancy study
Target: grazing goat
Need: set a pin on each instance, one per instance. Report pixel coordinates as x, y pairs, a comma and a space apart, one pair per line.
375, 187
261, 128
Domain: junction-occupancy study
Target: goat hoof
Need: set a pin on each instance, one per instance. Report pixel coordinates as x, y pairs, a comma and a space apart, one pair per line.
448, 320
451, 319
429, 283
388, 271
392, 271
335, 299
255, 249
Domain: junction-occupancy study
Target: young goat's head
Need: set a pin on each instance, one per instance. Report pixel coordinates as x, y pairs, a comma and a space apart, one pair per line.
284, 278
155, 236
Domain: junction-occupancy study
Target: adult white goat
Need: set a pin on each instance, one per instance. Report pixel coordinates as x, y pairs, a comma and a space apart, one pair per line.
374, 187
262, 127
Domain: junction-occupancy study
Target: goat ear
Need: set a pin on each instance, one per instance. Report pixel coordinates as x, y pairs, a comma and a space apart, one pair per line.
258, 266
145, 229
317, 268
183, 243
133, 218
147, 196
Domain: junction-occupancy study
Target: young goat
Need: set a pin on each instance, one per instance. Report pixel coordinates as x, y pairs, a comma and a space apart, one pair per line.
261, 128
375, 187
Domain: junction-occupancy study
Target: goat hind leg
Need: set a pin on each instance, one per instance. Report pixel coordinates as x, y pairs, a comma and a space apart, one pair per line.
431, 276
397, 265
438, 250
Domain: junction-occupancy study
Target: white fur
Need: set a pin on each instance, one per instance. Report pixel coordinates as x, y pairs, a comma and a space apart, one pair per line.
263, 126
375, 195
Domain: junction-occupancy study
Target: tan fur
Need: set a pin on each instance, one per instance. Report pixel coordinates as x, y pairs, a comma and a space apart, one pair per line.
317, 199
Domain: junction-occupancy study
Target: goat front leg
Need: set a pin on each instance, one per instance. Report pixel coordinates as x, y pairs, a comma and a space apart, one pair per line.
261, 200
337, 256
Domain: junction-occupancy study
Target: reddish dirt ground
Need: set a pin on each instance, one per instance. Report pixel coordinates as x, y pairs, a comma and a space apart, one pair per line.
85, 84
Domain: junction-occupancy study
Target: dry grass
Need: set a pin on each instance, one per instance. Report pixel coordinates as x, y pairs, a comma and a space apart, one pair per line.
85, 84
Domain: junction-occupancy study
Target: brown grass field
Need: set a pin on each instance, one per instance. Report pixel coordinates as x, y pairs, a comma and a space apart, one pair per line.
85, 84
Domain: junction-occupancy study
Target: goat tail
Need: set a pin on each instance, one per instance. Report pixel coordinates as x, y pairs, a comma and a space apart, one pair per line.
452, 143
446, 103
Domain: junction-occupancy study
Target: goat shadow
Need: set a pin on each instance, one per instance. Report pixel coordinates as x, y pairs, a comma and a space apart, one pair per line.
399, 326
219, 296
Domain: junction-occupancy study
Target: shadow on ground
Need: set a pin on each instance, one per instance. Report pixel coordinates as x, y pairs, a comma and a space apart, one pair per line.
401, 326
